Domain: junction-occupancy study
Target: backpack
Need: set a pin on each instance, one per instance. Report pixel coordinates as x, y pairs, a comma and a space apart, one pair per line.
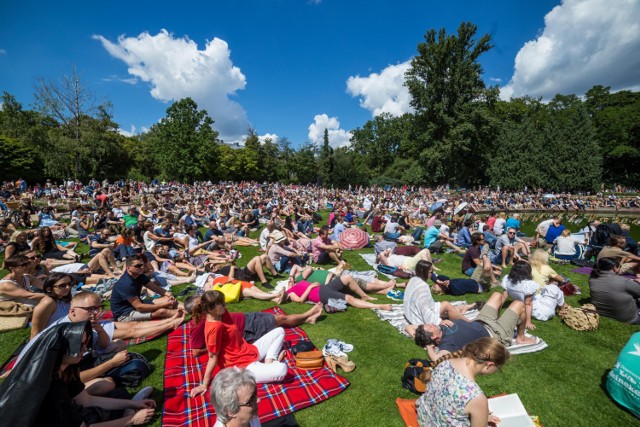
585, 318
417, 372
601, 236
131, 373
386, 269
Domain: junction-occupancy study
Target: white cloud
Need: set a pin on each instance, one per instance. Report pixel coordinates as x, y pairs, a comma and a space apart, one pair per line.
128, 133
114, 78
495, 79
3, 52
584, 43
337, 137
272, 136
384, 92
176, 68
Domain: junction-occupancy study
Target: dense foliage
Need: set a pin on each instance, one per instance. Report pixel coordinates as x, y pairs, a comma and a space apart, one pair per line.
460, 133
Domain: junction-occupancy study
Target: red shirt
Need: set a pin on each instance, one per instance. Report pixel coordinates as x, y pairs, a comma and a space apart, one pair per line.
197, 329
224, 339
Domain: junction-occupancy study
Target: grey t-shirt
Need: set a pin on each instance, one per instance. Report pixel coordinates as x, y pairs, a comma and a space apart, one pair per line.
615, 296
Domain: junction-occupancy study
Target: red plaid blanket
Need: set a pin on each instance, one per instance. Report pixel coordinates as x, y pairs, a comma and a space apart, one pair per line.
301, 389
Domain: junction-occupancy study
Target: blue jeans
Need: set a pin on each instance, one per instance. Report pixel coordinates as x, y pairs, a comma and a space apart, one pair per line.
417, 233
470, 271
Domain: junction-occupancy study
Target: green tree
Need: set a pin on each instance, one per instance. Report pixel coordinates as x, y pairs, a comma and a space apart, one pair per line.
325, 161
186, 145
19, 160
253, 166
304, 165
453, 106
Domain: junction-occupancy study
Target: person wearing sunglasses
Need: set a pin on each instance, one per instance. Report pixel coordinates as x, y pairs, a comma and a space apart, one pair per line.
508, 247
15, 286
55, 304
234, 396
126, 301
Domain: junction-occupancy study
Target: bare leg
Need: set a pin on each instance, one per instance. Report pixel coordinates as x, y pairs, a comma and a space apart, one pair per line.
130, 330
452, 312
256, 293
358, 303
255, 267
293, 320
266, 261
380, 287
353, 286
100, 386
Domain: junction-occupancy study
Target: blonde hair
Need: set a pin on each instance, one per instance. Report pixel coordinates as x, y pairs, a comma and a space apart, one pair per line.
566, 232
538, 258
502, 215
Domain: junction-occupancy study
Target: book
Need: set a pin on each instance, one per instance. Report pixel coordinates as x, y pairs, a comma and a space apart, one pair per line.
510, 410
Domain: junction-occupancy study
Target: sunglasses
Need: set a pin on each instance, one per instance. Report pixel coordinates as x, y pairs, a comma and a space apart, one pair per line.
63, 286
137, 265
92, 309
253, 400
33, 257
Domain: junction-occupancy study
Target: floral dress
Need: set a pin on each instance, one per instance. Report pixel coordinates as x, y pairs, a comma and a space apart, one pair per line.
445, 398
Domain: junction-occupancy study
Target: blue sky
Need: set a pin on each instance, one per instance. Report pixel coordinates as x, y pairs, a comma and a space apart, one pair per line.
290, 68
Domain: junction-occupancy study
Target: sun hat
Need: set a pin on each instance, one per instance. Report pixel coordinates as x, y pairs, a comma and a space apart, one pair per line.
437, 223
278, 236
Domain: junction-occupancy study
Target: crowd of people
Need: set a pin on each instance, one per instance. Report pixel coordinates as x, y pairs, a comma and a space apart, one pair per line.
143, 239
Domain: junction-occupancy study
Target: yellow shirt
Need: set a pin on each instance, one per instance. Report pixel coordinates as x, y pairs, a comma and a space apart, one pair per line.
541, 277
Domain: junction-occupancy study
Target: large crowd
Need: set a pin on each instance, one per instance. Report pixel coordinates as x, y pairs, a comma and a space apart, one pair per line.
144, 239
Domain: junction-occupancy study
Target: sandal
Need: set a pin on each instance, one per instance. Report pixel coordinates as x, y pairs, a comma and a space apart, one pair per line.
342, 361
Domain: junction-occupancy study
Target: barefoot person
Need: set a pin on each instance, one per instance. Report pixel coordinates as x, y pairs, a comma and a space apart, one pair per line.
451, 336
252, 325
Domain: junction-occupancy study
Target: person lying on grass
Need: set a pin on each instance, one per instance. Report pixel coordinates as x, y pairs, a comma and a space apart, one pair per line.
368, 283
227, 347
304, 291
403, 262
451, 336
252, 325
248, 289
253, 270
420, 307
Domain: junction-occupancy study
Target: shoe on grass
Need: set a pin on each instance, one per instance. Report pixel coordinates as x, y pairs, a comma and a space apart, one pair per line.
143, 394
395, 295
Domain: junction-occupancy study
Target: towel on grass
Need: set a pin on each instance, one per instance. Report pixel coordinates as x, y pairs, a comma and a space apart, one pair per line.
301, 388
396, 318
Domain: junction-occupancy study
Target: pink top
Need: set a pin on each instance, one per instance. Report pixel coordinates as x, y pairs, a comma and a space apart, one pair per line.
315, 249
301, 286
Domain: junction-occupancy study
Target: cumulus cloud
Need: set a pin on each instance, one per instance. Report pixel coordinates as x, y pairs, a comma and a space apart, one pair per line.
176, 68
584, 43
127, 133
114, 78
337, 137
384, 92
272, 136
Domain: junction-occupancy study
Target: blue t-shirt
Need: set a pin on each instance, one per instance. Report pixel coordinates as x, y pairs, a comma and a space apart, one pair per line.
124, 289
490, 239
513, 223
96, 237
210, 233
431, 236
339, 228
464, 237
460, 334
554, 232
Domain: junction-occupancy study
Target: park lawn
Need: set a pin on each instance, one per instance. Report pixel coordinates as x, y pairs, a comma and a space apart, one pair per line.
563, 384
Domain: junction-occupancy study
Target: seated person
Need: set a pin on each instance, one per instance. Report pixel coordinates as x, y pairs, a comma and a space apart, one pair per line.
15, 286
304, 291
46, 244
508, 247
565, 245
253, 270
435, 238
541, 271
476, 263
126, 302
626, 393
252, 325
615, 249
324, 251
393, 230
464, 235
282, 256
540, 302
451, 336
420, 307
44, 387
55, 304
452, 396
227, 348
613, 295
18, 244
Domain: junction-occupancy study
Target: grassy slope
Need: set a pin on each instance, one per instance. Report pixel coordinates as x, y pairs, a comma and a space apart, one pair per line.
562, 384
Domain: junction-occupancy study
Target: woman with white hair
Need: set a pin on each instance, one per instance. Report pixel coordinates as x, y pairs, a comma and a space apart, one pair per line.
234, 396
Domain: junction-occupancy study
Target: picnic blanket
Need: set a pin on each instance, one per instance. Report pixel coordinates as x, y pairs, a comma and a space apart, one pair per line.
183, 372
396, 318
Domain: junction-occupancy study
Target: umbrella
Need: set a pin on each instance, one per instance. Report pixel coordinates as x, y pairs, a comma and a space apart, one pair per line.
460, 207
354, 238
549, 196
436, 205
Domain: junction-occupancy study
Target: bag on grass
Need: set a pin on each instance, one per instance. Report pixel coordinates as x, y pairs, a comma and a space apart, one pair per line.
386, 269
417, 372
131, 373
401, 274
585, 318
231, 291
310, 359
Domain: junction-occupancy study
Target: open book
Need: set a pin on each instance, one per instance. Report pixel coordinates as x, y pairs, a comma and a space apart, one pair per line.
510, 410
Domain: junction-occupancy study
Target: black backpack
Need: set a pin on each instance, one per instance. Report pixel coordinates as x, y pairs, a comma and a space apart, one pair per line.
600, 237
417, 373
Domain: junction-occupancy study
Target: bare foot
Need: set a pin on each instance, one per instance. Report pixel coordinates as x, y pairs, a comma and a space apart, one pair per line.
526, 340
392, 283
143, 416
279, 297
368, 298
385, 307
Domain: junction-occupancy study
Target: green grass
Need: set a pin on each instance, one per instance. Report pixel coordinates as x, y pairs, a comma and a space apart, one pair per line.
562, 384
